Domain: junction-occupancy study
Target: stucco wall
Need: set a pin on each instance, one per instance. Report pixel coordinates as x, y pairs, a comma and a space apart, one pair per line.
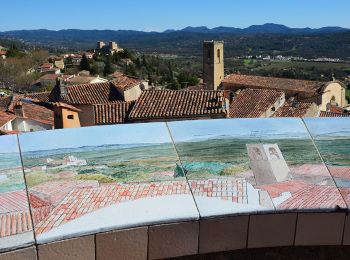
134, 93
334, 89
86, 115
70, 123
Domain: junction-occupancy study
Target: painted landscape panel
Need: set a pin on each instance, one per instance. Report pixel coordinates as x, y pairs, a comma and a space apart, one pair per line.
248, 165
332, 137
15, 222
100, 178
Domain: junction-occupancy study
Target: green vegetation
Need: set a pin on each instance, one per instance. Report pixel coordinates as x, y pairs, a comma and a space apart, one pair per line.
17, 71
321, 71
156, 69
222, 157
37, 178
96, 177
136, 164
347, 95
84, 64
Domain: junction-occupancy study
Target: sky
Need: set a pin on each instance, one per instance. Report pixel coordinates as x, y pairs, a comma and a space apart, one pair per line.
318, 126
95, 136
8, 144
159, 15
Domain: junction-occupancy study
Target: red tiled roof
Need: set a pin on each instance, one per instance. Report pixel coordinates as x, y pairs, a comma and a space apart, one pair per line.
293, 109
15, 223
85, 200
64, 105
112, 113
14, 212
49, 77
38, 113
40, 96
87, 94
340, 171
284, 84
276, 189
336, 109
124, 82
55, 191
250, 103
163, 104
5, 102
331, 114
6, 117
315, 197
13, 201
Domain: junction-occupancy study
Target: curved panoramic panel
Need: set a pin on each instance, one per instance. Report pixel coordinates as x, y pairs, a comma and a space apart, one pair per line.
15, 220
94, 179
246, 166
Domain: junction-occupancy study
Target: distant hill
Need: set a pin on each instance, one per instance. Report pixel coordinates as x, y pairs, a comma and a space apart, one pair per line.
262, 29
257, 39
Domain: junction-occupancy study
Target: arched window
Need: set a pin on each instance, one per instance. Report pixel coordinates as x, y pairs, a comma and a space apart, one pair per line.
218, 54
273, 153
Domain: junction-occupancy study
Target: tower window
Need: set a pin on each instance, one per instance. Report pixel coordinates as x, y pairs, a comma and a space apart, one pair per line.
218, 54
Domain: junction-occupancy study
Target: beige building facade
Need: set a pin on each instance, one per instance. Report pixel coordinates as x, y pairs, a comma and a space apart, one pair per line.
333, 94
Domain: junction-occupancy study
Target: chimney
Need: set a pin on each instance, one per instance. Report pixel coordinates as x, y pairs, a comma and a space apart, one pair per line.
62, 85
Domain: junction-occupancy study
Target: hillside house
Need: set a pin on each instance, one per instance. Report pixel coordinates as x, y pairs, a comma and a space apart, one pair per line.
248, 103
170, 105
322, 94
87, 97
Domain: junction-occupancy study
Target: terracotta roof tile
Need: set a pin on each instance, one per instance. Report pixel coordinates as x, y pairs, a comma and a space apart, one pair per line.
5, 102
38, 113
81, 201
293, 109
55, 191
112, 113
250, 103
340, 171
276, 189
332, 114
163, 104
40, 96
315, 197
13, 201
124, 82
86, 94
15, 223
6, 117
284, 84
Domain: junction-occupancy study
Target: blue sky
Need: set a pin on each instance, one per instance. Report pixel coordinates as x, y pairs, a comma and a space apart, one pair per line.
94, 136
319, 126
158, 15
8, 144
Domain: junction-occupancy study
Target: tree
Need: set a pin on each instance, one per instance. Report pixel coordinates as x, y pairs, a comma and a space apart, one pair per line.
84, 63
14, 52
94, 69
108, 69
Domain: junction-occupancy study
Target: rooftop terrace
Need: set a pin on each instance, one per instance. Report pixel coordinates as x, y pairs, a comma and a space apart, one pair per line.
161, 190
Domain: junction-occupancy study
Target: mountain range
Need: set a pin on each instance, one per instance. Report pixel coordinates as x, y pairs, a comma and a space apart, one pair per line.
257, 29
268, 38
253, 29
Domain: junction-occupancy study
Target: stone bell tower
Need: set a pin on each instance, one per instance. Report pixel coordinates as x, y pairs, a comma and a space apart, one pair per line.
213, 64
